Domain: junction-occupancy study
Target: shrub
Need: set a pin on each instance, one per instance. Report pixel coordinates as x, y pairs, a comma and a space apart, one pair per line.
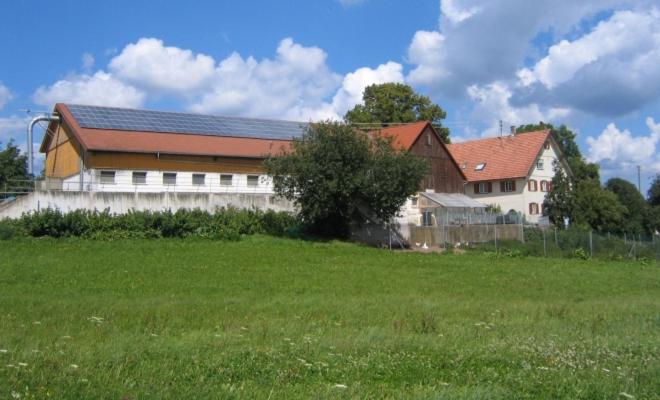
223, 224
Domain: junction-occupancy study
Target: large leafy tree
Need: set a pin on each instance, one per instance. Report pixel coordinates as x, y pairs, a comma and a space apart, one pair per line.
597, 208
636, 207
654, 192
397, 103
559, 202
337, 175
13, 165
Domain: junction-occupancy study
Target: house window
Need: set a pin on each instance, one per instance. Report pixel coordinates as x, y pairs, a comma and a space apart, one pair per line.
107, 177
544, 186
480, 167
225, 179
253, 180
546, 145
508, 186
539, 165
428, 139
483, 187
169, 178
532, 185
198, 179
413, 200
533, 208
139, 178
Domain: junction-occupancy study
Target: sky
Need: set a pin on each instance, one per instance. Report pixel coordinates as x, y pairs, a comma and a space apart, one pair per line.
593, 65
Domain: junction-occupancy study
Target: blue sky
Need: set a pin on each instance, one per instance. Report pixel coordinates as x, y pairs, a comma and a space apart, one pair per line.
590, 64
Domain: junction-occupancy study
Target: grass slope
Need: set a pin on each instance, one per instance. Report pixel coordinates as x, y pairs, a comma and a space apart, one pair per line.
276, 318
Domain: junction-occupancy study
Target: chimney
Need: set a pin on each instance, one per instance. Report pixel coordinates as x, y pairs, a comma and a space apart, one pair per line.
513, 130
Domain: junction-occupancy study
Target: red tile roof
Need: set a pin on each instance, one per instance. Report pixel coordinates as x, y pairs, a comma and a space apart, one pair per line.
404, 136
505, 157
168, 143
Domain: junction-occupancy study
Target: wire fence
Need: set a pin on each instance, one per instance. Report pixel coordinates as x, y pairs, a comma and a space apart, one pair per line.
576, 243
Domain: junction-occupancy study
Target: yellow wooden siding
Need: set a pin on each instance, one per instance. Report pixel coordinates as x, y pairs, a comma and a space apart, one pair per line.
62, 157
150, 162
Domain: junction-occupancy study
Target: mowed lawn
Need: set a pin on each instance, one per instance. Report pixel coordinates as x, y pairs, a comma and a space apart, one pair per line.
280, 319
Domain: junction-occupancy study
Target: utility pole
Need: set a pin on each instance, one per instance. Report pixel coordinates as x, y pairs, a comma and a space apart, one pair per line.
500, 128
639, 178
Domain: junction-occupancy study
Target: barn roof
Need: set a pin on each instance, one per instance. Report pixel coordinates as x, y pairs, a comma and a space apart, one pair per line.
507, 157
147, 131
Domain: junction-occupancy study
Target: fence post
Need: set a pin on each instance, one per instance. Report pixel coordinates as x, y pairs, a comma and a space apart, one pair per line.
522, 233
591, 244
545, 250
495, 230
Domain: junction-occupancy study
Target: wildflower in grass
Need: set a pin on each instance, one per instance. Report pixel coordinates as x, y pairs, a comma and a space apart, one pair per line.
66, 337
3, 351
626, 395
74, 366
15, 395
37, 322
340, 386
22, 364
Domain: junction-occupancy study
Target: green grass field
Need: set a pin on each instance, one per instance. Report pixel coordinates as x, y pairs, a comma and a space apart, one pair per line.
280, 319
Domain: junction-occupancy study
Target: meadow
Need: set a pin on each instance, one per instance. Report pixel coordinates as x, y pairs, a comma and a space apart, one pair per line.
278, 318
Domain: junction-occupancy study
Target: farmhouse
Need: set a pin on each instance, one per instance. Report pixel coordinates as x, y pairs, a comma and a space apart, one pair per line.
514, 172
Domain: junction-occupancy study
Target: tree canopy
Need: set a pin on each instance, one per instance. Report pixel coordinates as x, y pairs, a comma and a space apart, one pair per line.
13, 164
397, 103
636, 207
337, 175
654, 192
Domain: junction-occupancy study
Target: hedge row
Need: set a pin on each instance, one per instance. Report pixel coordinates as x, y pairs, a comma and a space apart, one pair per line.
225, 223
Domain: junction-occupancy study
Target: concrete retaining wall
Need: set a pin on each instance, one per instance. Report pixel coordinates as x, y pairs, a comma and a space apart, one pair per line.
120, 203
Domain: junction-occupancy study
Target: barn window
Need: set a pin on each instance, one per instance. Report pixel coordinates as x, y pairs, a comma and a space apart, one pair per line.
532, 185
413, 200
427, 218
428, 139
226, 179
198, 179
107, 177
169, 178
507, 186
253, 180
139, 178
544, 186
533, 208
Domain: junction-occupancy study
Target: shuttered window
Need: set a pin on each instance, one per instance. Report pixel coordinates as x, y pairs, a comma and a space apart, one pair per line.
507, 186
544, 186
483, 187
533, 208
532, 185
107, 177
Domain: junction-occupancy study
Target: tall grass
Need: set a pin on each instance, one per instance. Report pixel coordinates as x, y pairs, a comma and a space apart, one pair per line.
279, 318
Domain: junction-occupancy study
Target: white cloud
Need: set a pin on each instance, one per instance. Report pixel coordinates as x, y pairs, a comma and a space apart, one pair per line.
454, 13
98, 89
626, 35
5, 95
492, 104
87, 62
297, 79
618, 150
150, 64
480, 42
12, 127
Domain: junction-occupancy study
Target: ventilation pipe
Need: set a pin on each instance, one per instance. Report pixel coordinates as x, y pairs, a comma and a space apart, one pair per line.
35, 120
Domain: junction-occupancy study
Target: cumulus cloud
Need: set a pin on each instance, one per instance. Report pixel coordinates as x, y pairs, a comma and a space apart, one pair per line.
480, 42
5, 95
12, 127
492, 104
150, 64
610, 71
100, 88
297, 78
619, 151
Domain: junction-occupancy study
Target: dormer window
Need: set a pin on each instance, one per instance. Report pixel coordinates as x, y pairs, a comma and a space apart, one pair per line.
539, 165
480, 167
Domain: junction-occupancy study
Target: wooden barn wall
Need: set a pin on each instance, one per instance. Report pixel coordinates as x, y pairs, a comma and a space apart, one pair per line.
62, 157
167, 162
444, 176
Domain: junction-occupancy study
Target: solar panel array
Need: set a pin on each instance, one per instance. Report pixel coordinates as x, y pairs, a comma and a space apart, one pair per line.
126, 119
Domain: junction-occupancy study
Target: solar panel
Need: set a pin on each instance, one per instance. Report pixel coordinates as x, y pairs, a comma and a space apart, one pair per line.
127, 119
